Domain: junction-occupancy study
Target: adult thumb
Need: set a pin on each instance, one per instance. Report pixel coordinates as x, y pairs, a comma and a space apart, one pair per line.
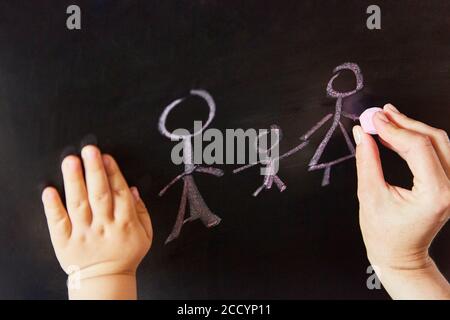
368, 165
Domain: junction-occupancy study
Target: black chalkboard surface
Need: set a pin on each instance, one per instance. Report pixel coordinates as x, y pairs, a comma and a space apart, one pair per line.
264, 63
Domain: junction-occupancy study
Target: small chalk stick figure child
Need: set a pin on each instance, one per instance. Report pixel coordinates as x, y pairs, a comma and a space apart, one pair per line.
338, 113
270, 161
197, 206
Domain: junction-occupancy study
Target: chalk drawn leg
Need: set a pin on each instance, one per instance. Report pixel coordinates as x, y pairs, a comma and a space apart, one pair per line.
180, 217
331, 163
327, 166
318, 154
197, 206
347, 139
268, 184
268, 181
255, 194
326, 177
280, 184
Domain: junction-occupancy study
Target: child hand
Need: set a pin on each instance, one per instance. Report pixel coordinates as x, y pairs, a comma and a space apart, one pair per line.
398, 225
105, 231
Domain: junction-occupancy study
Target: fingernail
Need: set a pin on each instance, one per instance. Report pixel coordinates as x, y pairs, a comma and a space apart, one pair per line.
89, 152
135, 193
47, 195
357, 134
380, 115
106, 161
70, 163
391, 108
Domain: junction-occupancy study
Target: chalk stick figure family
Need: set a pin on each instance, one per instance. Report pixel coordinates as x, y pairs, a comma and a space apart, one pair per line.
190, 194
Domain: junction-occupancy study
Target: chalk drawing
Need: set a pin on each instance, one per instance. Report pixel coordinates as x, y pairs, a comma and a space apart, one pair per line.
338, 113
197, 206
270, 163
191, 195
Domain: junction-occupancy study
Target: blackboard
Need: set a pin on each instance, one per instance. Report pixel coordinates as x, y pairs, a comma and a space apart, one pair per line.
264, 62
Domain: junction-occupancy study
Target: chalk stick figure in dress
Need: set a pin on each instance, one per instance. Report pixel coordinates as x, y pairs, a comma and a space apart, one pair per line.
314, 163
270, 161
197, 206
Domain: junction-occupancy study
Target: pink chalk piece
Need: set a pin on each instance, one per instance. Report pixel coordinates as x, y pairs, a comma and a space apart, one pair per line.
366, 120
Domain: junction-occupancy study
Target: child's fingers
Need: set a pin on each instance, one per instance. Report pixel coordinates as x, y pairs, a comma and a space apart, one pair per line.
75, 190
439, 138
122, 198
368, 164
57, 218
142, 212
99, 194
416, 149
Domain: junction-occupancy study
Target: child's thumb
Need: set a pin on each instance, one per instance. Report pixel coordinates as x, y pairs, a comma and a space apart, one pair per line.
142, 212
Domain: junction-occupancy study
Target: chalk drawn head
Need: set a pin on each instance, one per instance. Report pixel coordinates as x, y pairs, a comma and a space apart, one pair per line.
176, 137
359, 80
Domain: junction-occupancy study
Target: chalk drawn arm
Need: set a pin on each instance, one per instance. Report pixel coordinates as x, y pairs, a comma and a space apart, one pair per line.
210, 170
292, 151
178, 177
350, 116
246, 167
319, 124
